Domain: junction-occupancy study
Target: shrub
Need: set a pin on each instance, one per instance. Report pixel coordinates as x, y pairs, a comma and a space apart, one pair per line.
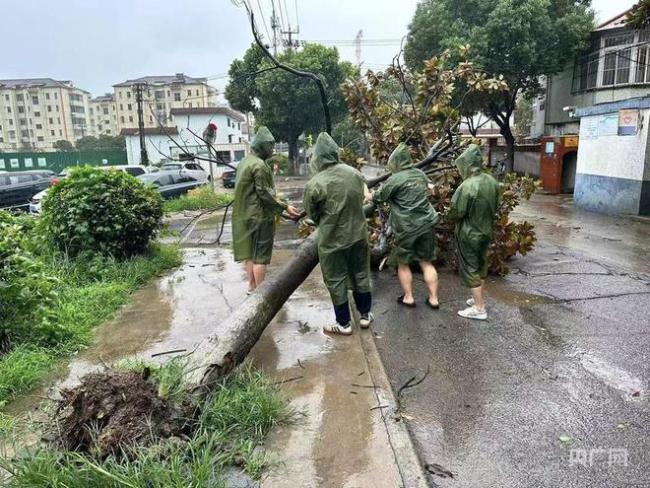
108, 212
27, 293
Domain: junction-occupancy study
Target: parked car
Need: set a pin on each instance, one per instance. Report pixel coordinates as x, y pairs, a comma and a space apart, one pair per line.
188, 168
228, 176
171, 184
17, 188
133, 170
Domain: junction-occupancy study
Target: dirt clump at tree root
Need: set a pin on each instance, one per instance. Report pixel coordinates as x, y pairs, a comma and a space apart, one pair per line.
113, 410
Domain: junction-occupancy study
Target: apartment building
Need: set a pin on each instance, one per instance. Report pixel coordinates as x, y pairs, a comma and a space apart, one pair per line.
37, 112
103, 116
603, 97
161, 94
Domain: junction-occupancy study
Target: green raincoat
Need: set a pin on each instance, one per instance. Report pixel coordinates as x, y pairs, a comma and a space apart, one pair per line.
411, 215
334, 201
474, 207
255, 206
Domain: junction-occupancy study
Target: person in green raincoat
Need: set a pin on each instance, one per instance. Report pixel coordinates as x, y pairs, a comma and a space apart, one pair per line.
412, 219
334, 202
474, 207
255, 208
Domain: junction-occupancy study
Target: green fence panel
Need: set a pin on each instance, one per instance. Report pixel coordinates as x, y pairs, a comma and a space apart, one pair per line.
58, 161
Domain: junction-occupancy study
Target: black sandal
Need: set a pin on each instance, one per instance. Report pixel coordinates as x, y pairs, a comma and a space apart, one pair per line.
400, 300
431, 306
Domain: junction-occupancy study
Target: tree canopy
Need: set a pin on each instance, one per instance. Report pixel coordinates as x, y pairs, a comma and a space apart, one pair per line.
639, 17
103, 142
519, 39
289, 106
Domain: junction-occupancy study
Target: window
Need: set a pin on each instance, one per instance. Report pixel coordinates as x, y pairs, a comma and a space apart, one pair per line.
177, 97
34, 100
49, 108
39, 126
642, 69
23, 121
120, 94
619, 40
228, 121
11, 121
60, 132
122, 118
189, 93
7, 97
37, 114
12, 134
9, 110
40, 139
19, 97
50, 120
150, 119
121, 107
24, 133
190, 104
21, 110
128, 107
130, 118
58, 119
52, 133
128, 94
56, 96
197, 93
230, 138
159, 94
47, 96
57, 107
105, 111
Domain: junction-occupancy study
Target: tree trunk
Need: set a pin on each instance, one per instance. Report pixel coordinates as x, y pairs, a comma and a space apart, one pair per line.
293, 156
506, 132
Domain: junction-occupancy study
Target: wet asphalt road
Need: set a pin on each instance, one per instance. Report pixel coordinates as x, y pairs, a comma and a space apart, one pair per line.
552, 391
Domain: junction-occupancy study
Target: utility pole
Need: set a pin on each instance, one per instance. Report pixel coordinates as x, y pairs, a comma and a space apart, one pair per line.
144, 157
290, 44
274, 27
357, 50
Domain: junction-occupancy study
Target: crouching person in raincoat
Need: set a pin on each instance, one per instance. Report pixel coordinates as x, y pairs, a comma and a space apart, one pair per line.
413, 219
474, 207
334, 202
255, 208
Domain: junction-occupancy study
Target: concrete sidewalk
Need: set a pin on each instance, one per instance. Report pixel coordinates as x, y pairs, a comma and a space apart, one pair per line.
348, 436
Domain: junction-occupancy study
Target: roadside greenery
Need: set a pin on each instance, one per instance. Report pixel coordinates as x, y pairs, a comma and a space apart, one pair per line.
107, 212
202, 198
50, 300
226, 432
87, 291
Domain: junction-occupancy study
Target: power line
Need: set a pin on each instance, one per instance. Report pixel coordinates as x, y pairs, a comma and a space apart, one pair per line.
266, 28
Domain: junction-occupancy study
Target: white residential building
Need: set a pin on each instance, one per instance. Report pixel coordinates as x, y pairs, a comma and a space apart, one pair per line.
103, 116
163, 143
37, 112
161, 94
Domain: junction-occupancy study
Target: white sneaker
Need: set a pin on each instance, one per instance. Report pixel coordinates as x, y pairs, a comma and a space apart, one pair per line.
473, 313
470, 302
339, 329
366, 320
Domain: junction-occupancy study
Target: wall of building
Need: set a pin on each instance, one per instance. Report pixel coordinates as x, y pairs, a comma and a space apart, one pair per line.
613, 171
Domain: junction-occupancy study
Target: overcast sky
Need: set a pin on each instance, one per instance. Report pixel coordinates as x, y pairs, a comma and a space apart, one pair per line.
97, 44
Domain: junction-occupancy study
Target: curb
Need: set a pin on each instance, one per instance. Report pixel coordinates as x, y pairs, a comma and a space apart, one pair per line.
406, 458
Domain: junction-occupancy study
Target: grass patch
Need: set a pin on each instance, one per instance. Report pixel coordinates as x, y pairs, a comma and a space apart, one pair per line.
232, 424
90, 290
202, 198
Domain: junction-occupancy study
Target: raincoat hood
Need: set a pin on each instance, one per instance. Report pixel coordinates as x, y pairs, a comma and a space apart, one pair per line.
400, 159
326, 153
470, 162
263, 143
